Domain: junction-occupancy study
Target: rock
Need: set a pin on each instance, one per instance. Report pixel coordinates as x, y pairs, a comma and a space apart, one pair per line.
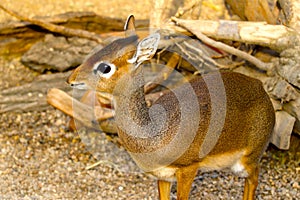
289, 66
57, 53
293, 108
276, 104
283, 130
280, 89
297, 127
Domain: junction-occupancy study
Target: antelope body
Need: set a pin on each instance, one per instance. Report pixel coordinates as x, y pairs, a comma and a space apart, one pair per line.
248, 124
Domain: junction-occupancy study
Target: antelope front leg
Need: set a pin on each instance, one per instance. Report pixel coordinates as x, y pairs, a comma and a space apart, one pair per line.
164, 189
185, 177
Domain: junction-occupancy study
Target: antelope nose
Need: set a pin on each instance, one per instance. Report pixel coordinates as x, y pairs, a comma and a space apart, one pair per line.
78, 85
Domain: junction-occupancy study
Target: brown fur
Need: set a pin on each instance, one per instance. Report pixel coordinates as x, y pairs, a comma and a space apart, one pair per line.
249, 121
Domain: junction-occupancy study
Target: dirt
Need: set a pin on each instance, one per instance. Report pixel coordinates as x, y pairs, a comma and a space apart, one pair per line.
41, 159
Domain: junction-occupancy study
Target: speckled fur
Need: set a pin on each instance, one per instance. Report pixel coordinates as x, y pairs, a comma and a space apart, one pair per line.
248, 125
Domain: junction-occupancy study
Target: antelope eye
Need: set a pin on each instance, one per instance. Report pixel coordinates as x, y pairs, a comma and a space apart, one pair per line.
104, 69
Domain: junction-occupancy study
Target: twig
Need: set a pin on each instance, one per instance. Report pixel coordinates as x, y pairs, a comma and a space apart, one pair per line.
206, 58
197, 57
103, 162
55, 28
114, 167
259, 64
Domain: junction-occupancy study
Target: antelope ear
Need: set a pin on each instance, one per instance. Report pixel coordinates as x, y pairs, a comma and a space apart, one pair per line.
129, 26
146, 49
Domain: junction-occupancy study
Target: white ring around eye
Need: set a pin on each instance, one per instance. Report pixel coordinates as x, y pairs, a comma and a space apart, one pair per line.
105, 75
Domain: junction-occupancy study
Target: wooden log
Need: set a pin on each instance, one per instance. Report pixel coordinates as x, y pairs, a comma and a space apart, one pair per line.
88, 112
32, 96
193, 28
276, 37
90, 117
17, 37
93, 100
80, 20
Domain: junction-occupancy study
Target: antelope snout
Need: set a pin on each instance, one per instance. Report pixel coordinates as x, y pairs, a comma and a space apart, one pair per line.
77, 85
74, 83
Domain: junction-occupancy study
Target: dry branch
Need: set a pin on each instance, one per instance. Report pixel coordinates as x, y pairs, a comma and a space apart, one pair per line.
55, 28
76, 20
92, 117
87, 113
277, 37
18, 36
192, 28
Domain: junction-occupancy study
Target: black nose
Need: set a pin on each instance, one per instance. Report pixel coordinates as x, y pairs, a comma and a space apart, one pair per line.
77, 85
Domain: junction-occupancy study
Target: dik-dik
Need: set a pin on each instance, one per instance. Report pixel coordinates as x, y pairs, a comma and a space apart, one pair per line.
157, 141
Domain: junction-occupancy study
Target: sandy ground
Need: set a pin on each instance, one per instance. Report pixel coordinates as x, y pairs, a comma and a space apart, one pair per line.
41, 159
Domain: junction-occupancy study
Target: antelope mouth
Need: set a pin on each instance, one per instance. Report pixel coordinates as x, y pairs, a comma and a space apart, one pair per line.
78, 85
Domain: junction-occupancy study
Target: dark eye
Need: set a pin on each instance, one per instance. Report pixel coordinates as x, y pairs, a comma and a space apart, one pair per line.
103, 68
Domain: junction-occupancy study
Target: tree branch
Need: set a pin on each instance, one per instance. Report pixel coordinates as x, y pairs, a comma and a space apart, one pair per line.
194, 29
55, 28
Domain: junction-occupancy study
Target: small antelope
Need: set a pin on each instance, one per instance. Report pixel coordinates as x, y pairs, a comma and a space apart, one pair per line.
157, 141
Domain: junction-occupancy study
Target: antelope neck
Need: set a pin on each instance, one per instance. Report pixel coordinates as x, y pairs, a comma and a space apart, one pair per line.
130, 101
141, 129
